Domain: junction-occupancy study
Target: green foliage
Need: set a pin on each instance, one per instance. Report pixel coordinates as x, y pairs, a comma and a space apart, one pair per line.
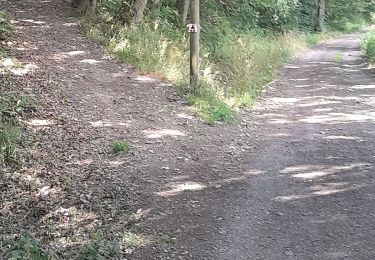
120, 147
349, 16
26, 247
5, 30
210, 108
338, 56
12, 107
368, 46
244, 43
99, 249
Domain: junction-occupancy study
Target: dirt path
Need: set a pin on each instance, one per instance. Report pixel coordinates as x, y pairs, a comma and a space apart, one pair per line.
293, 180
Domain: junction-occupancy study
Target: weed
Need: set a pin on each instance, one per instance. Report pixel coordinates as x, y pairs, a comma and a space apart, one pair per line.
210, 108
5, 30
12, 107
26, 247
120, 147
338, 56
99, 248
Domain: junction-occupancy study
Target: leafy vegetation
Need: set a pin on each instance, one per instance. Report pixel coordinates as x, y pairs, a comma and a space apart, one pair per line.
368, 46
5, 29
244, 43
12, 107
120, 147
26, 247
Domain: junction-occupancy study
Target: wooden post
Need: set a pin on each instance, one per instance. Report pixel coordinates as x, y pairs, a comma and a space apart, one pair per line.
194, 45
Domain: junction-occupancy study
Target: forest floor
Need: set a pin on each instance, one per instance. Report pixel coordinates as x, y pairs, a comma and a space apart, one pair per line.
293, 179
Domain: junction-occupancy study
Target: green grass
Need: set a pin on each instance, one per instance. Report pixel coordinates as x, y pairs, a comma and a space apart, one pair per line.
5, 30
120, 147
368, 46
338, 56
210, 108
13, 106
235, 65
234, 72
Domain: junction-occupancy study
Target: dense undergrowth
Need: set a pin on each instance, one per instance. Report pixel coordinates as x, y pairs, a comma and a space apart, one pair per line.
244, 44
368, 46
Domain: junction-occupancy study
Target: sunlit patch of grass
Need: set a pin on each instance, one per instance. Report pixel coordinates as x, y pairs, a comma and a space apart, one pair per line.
210, 108
316, 38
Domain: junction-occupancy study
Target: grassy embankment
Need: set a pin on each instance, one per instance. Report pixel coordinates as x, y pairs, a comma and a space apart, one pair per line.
236, 64
368, 46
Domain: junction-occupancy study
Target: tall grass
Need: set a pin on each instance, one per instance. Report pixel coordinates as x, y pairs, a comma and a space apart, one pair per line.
368, 46
235, 65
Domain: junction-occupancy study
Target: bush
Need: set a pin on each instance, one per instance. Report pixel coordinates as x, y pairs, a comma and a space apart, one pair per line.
368, 46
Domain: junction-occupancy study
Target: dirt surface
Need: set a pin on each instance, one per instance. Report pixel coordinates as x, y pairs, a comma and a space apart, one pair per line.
292, 180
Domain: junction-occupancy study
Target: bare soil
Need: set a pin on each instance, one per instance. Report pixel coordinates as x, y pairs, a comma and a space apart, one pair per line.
293, 179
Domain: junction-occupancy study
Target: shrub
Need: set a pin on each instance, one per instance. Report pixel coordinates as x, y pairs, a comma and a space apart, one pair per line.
368, 46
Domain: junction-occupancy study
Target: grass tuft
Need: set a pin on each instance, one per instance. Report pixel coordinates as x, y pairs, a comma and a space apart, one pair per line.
120, 147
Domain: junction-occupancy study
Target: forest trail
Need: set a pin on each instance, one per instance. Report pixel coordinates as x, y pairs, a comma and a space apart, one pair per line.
292, 180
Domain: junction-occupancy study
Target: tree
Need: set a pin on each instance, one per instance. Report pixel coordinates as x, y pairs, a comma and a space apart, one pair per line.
139, 9
321, 15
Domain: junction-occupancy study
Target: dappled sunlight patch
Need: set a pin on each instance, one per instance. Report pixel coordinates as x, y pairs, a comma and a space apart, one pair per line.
12, 66
292, 67
312, 172
181, 187
82, 162
102, 123
48, 190
362, 116
40, 122
155, 134
142, 78
90, 61
279, 121
363, 87
184, 116
284, 100
66, 221
64, 55
319, 110
341, 137
302, 86
7, 63
330, 188
319, 190
115, 163
70, 24
320, 103
32, 21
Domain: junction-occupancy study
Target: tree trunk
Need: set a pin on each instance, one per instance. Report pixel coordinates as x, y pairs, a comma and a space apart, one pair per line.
321, 15
185, 10
139, 9
92, 8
